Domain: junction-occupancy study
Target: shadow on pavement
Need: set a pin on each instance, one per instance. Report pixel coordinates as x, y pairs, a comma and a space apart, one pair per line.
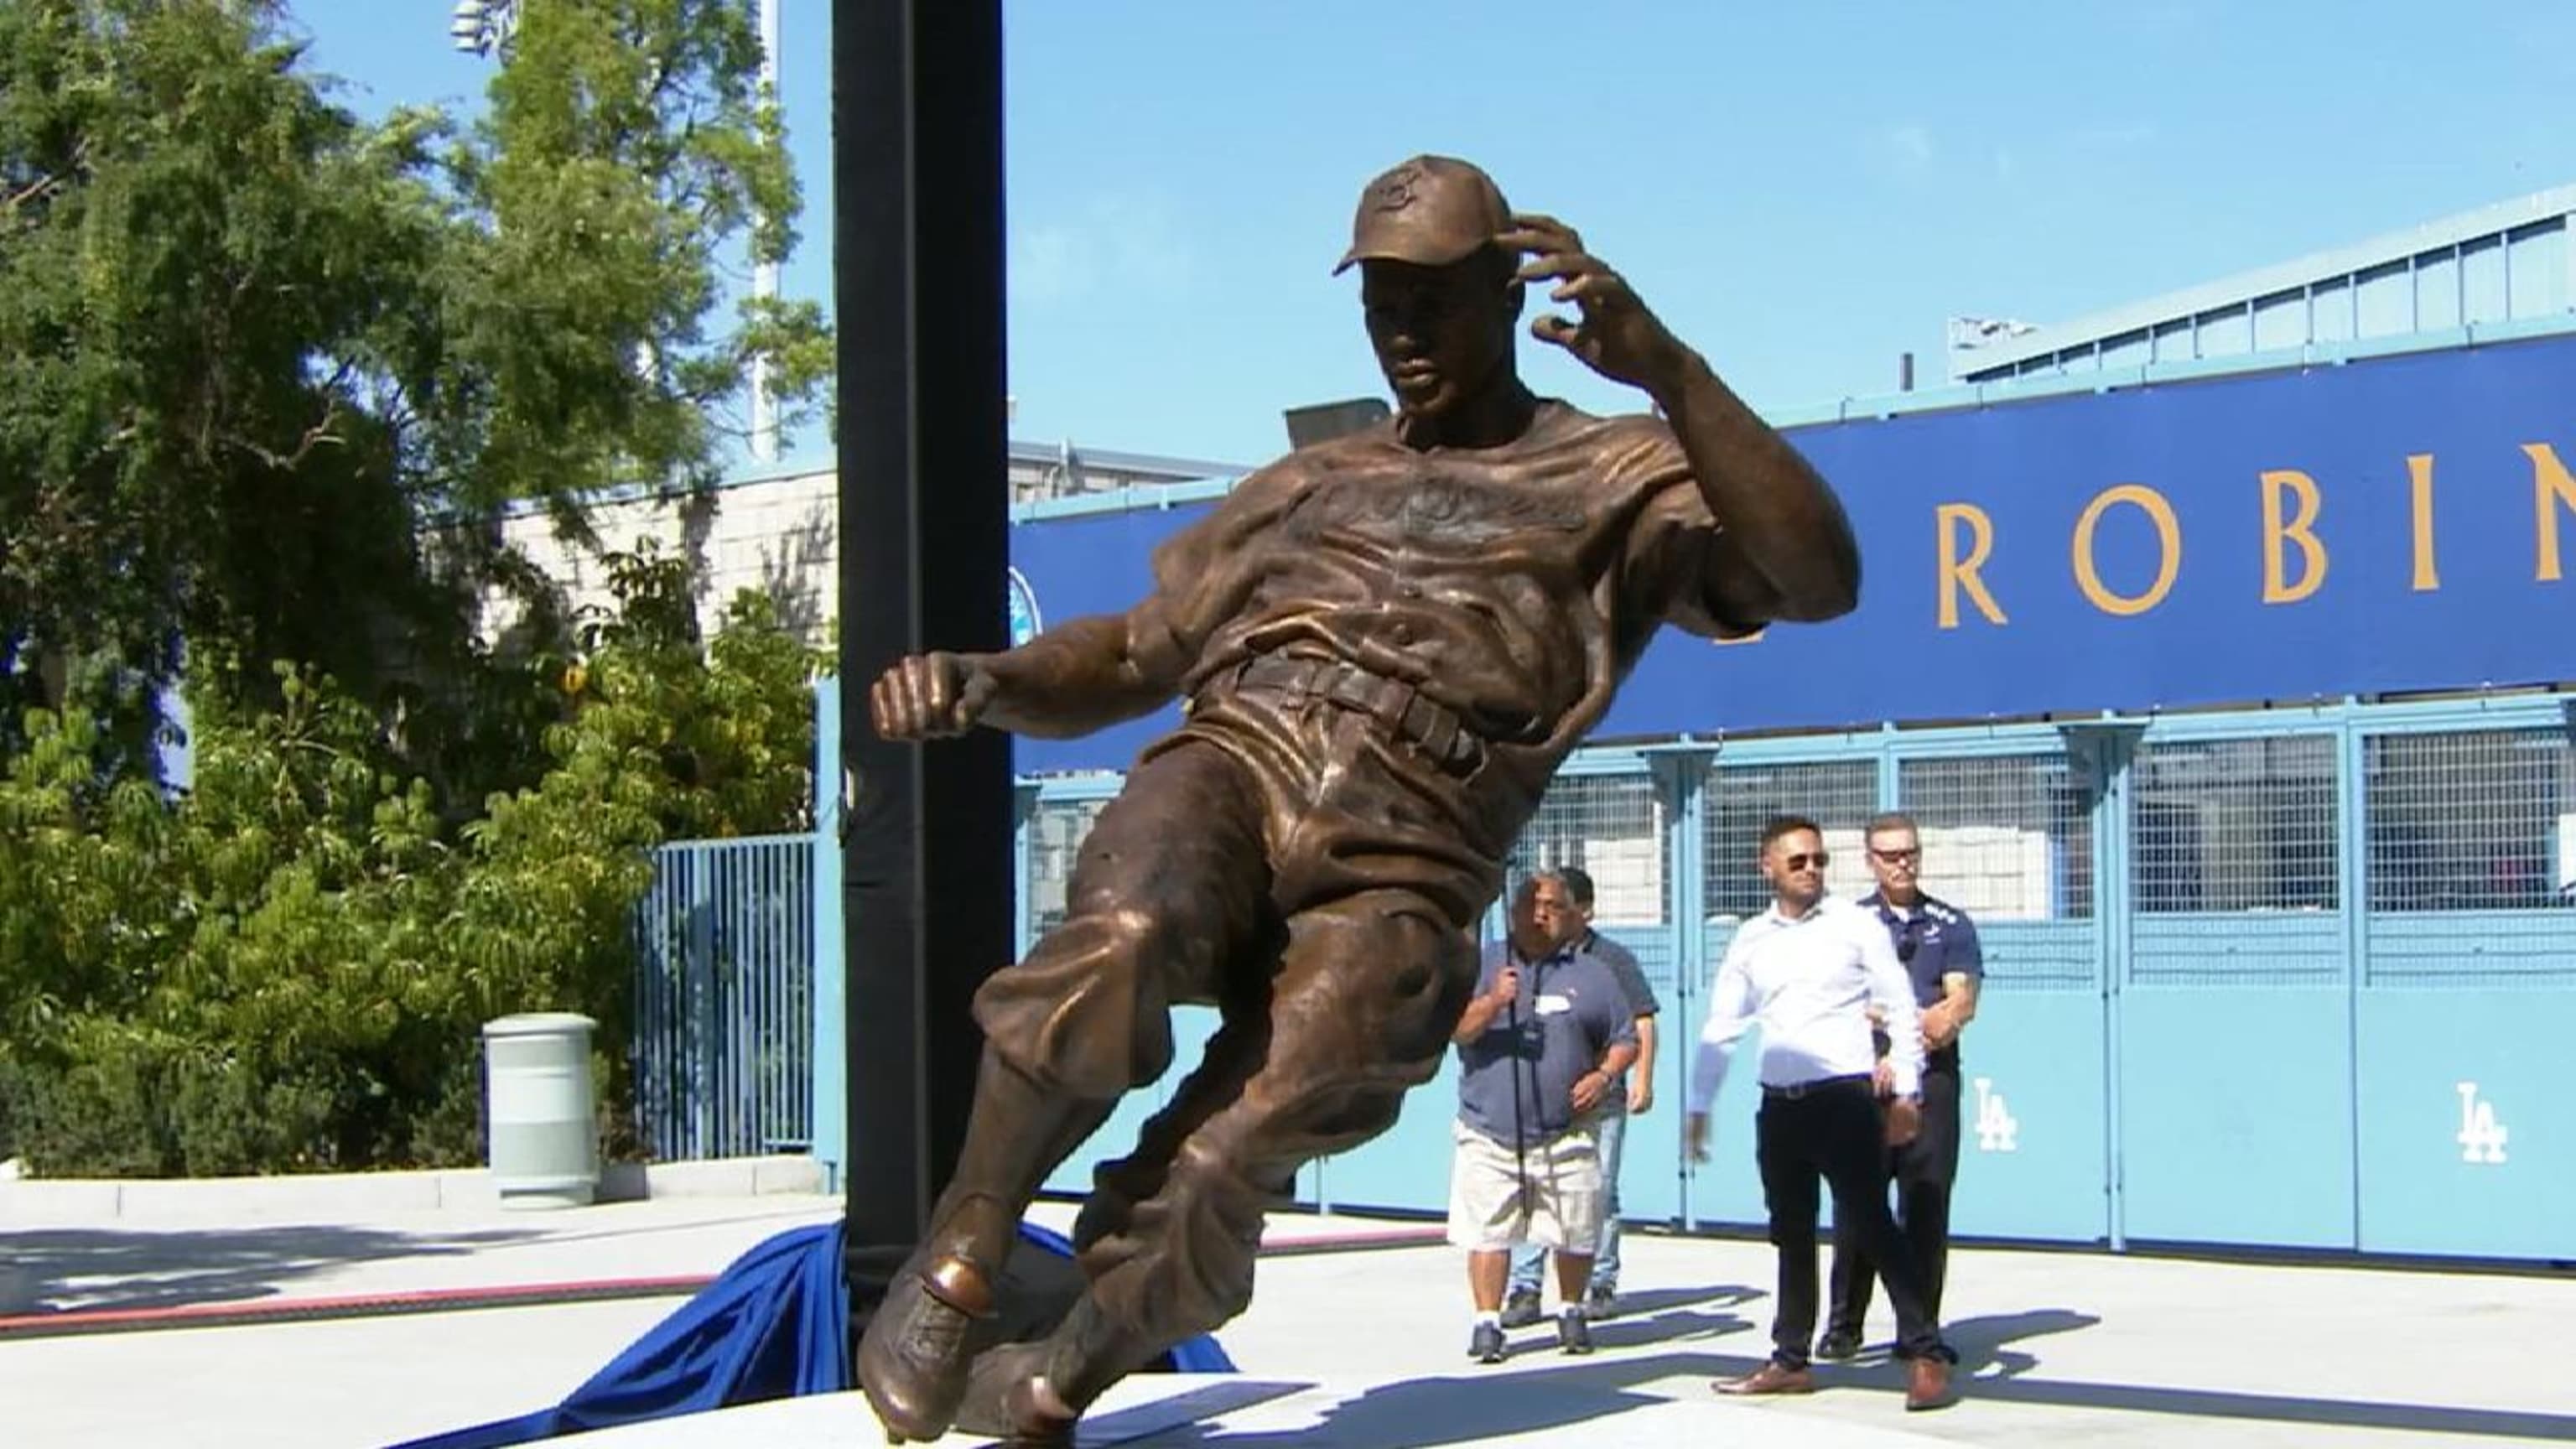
61, 1270
1466, 1408
2279, 1408
1993, 1372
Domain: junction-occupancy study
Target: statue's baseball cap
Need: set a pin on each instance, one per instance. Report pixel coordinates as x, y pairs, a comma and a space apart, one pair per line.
1431, 211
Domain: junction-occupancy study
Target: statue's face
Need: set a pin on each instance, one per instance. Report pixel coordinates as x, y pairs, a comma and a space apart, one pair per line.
1439, 332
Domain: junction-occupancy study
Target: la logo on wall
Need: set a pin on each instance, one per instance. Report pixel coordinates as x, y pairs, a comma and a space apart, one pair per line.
1025, 622
1997, 1131
2481, 1136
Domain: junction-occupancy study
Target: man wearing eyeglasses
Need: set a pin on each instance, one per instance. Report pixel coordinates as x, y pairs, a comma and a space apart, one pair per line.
1541, 1046
1809, 970
1937, 944
1632, 1093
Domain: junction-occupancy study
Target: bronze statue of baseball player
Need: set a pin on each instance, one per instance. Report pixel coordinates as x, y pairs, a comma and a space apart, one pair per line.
1387, 644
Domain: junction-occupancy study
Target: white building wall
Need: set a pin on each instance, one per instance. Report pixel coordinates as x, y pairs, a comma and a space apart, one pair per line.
777, 535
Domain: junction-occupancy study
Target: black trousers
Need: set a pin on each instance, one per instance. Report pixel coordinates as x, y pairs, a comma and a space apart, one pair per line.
1924, 1170
1833, 1133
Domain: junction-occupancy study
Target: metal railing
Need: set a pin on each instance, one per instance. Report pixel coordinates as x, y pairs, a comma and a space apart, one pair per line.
2317, 958
725, 975
2286, 952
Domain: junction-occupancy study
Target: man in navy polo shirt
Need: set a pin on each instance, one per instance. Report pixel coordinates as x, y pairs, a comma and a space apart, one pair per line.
1634, 1093
1938, 944
1541, 1047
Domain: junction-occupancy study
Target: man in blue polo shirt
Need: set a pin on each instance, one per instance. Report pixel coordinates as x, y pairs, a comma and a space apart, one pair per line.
1938, 945
1635, 1093
1540, 1047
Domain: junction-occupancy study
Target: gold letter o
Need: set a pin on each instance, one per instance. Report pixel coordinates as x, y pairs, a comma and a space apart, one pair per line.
2168, 541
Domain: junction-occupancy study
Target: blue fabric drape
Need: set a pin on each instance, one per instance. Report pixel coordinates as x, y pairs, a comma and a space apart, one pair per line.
773, 1325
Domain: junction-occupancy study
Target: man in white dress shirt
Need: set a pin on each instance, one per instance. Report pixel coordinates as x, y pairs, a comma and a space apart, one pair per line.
1808, 971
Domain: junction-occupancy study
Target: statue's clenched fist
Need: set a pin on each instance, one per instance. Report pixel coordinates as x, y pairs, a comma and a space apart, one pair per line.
927, 696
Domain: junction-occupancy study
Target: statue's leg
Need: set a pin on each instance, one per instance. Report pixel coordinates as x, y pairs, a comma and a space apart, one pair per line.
1171, 879
1226, 1063
1367, 992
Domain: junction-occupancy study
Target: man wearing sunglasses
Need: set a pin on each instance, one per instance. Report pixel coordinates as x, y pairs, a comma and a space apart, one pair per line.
1938, 945
1809, 971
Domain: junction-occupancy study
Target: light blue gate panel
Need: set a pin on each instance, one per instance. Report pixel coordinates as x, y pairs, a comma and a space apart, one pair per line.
1650, 1175
2235, 1010
1650, 1184
723, 1043
1406, 1168
2469, 982
2236, 1113
2466, 1147
1725, 1192
1191, 1028
2031, 1109
2008, 838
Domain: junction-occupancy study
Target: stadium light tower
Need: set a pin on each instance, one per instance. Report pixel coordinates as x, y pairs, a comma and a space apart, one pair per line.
764, 405
482, 27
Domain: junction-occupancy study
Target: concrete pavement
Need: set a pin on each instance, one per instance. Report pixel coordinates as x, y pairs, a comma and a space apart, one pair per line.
2059, 1347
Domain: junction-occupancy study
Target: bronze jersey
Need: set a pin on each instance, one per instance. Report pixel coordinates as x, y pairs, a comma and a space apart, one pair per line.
1516, 585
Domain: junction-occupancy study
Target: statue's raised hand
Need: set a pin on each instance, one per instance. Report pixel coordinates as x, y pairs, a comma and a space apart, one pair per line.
1614, 333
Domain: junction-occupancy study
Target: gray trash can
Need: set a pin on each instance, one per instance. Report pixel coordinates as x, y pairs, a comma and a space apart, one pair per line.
542, 1138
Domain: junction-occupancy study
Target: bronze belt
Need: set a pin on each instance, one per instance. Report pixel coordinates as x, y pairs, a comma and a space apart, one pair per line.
1399, 707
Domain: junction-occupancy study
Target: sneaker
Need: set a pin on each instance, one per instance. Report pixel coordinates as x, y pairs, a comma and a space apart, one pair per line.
1601, 1303
1486, 1346
1573, 1331
1520, 1310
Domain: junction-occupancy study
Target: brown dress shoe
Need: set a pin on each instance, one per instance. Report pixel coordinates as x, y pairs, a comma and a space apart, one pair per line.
912, 1360
1772, 1378
1927, 1384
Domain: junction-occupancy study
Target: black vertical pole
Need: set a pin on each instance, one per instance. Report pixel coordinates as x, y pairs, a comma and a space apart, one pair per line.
924, 548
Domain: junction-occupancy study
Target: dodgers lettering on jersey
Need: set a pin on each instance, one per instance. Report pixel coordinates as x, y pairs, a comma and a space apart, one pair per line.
1515, 585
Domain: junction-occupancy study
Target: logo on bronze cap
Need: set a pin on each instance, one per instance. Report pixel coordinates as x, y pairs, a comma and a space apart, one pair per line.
1395, 191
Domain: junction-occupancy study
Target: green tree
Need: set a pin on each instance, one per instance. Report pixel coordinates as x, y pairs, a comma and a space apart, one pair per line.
253, 349
267, 373
207, 278
286, 968
628, 153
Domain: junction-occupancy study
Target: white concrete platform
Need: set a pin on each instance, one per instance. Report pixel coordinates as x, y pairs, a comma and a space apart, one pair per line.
1167, 1411
2058, 1349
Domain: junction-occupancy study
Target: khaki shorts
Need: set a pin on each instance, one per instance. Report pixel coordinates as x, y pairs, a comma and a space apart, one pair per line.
1488, 1212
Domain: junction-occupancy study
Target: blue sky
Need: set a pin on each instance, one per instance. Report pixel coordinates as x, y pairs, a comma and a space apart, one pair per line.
1803, 191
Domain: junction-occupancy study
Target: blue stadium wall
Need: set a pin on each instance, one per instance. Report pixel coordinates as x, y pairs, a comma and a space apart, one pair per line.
2250, 679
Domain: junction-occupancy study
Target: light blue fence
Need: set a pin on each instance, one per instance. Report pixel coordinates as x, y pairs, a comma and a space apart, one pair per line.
2296, 978
2291, 979
724, 999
